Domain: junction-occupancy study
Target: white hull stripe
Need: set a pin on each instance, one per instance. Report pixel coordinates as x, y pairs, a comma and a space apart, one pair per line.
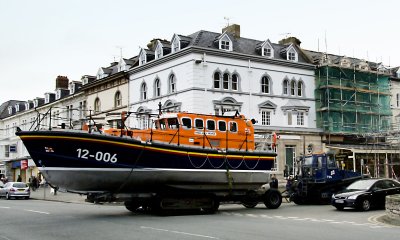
145, 170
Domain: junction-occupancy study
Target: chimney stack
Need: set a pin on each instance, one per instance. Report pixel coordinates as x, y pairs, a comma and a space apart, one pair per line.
62, 82
289, 40
233, 29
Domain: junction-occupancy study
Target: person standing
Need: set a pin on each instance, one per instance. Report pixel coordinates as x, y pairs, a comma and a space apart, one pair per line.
274, 182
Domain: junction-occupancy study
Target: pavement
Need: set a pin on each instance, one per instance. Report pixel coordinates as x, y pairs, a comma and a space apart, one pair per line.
46, 193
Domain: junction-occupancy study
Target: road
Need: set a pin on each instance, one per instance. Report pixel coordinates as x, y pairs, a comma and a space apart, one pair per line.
42, 220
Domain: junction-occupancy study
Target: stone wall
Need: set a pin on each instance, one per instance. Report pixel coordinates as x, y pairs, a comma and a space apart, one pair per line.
393, 208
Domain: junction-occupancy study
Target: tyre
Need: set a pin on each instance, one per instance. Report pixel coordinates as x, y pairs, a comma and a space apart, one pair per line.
364, 205
272, 199
214, 208
339, 208
131, 205
250, 200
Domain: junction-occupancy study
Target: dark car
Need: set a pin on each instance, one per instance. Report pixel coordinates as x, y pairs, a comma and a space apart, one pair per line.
366, 194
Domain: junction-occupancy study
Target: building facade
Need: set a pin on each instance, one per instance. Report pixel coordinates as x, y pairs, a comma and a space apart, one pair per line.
213, 73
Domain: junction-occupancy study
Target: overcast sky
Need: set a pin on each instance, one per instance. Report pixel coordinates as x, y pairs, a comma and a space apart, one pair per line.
42, 39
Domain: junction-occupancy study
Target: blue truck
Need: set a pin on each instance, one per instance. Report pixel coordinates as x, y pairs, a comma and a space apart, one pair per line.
319, 176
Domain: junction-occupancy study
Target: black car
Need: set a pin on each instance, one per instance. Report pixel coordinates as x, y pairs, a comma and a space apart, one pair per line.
366, 194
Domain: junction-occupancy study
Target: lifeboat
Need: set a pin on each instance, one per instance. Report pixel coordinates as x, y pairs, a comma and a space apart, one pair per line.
179, 151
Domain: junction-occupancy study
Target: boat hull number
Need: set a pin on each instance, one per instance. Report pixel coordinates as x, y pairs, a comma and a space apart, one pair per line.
98, 156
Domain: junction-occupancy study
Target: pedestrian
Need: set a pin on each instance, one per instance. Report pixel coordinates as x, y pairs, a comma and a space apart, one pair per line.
289, 184
34, 183
19, 179
285, 172
274, 182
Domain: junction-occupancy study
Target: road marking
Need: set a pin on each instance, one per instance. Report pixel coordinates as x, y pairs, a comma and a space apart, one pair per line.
374, 224
36, 211
178, 232
4, 207
3, 237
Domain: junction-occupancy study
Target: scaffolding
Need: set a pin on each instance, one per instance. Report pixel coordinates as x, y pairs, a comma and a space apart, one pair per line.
350, 101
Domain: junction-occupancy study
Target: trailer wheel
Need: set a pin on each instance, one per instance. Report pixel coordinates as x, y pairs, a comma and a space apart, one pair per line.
250, 200
132, 205
213, 208
272, 199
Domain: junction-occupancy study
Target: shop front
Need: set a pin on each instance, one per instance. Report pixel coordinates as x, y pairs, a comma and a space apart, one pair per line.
21, 169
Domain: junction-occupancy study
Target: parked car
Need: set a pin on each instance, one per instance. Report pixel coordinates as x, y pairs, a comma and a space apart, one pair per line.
366, 194
15, 190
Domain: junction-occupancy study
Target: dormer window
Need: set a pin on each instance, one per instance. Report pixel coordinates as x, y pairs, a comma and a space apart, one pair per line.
345, 62
176, 43
58, 94
35, 103
142, 57
225, 43
159, 51
121, 66
292, 56
290, 53
267, 50
10, 110
71, 88
47, 98
27, 105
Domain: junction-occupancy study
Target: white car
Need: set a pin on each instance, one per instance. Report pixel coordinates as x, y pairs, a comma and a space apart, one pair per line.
15, 190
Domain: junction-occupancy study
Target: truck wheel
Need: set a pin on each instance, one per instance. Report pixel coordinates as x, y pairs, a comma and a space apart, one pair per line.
272, 199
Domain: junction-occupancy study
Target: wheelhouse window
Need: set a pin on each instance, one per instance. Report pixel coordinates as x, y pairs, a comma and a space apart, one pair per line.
233, 127
211, 125
186, 123
198, 123
264, 84
222, 126
173, 123
217, 80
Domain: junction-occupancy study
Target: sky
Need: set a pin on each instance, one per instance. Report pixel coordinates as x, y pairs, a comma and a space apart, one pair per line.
42, 39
